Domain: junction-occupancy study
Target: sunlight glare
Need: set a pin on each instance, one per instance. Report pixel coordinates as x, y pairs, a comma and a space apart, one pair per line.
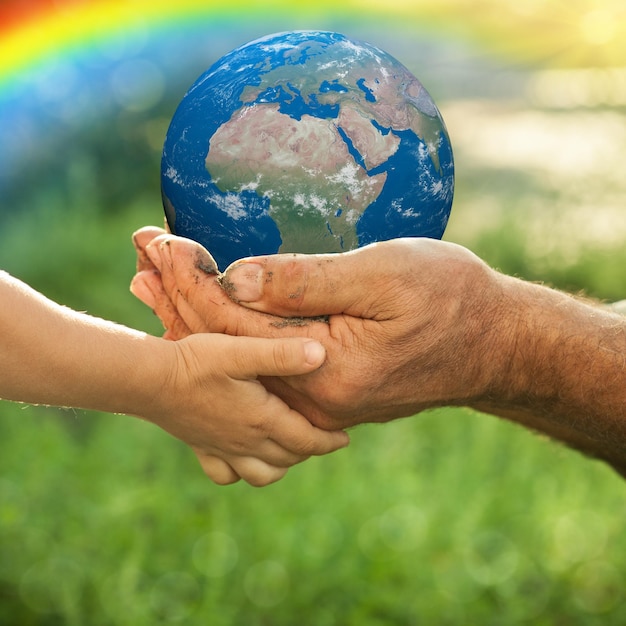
598, 26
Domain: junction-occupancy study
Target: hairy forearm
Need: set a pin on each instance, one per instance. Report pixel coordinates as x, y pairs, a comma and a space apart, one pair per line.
564, 369
52, 355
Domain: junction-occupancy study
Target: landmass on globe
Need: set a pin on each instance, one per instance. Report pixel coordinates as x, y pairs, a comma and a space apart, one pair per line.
306, 142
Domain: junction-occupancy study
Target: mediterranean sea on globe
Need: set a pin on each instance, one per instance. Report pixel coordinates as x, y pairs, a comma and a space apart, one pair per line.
305, 141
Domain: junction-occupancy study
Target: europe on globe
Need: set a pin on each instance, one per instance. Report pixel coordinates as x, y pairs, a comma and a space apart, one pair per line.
305, 141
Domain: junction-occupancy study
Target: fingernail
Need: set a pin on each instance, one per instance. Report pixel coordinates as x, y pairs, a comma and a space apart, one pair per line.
141, 291
166, 253
160, 253
314, 353
206, 263
244, 281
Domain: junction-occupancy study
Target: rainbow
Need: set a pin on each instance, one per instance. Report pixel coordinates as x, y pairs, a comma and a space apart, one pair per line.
34, 32
64, 62
50, 28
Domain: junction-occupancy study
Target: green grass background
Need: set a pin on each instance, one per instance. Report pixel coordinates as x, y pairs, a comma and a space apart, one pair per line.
450, 517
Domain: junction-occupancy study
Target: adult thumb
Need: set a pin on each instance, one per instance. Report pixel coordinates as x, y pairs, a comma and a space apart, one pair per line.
304, 284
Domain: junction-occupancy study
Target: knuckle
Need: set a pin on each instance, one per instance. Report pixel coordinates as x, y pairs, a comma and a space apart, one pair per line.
294, 282
305, 448
260, 423
283, 355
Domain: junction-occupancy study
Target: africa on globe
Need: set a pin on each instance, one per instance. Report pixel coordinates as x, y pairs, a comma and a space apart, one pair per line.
305, 141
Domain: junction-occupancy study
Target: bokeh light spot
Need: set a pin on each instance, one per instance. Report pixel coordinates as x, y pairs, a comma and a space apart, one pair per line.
215, 554
576, 537
138, 85
403, 527
598, 587
399, 529
56, 82
490, 558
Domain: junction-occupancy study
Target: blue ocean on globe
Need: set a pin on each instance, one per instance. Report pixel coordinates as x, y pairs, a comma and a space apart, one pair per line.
305, 141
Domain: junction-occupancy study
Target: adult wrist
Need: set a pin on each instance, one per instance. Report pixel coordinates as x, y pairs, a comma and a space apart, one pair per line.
521, 338
555, 350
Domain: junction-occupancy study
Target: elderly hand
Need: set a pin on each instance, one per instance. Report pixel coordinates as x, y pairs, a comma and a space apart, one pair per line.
402, 326
411, 324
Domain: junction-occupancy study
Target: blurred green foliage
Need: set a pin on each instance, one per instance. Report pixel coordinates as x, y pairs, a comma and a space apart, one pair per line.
451, 518
448, 518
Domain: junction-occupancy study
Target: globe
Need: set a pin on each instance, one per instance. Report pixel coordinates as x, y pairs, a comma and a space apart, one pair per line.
308, 142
